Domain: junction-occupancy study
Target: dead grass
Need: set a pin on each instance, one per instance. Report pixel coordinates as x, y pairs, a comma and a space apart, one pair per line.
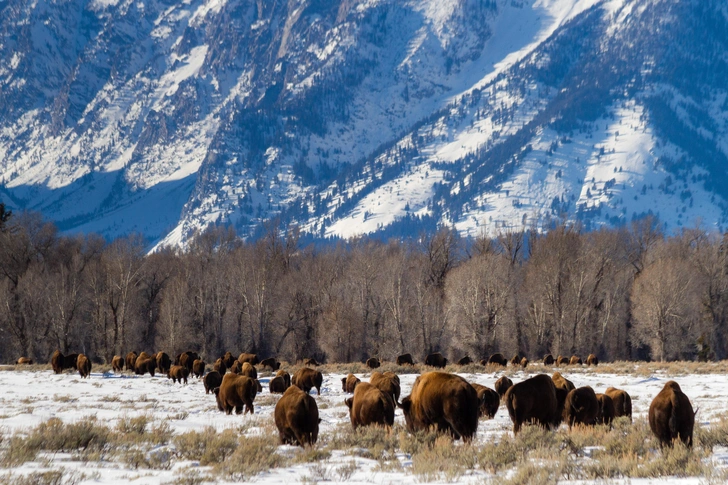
253, 455
208, 447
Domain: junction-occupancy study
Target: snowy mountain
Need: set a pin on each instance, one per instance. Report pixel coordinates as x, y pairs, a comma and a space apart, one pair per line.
351, 116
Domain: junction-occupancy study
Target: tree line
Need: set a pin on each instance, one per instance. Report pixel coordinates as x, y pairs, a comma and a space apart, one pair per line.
626, 293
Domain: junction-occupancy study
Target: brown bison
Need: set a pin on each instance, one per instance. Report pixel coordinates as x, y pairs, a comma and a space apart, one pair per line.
563, 387
219, 366
387, 382
605, 414
60, 362
198, 368
489, 400
548, 359
497, 359
592, 360
405, 359
533, 400
622, 402
444, 400
235, 392
502, 385
373, 363
187, 359
24, 361
312, 362
306, 379
581, 407
671, 416
296, 417
436, 360
251, 359
524, 362
228, 359
349, 383
561, 360
465, 361
117, 363
237, 367
180, 373
144, 364
211, 380
286, 377
279, 384
516, 360
83, 364
370, 406
164, 362
248, 370
130, 362
575, 360
271, 363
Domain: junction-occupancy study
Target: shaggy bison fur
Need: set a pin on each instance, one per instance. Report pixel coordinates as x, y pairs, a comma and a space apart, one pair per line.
117, 363
581, 407
83, 364
497, 359
271, 363
145, 364
235, 392
297, 419
131, 358
465, 361
237, 367
349, 383
180, 373
622, 402
533, 400
575, 360
671, 416
605, 414
61, 362
444, 400
502, 385
164, 362
198, 368
387, 382
405, 359
219, 366
524, 362
373, 363
516, 360
548, 359
24, 361
212, 380
251, 359
561, 360
306, 379
489, 400
436, 360
248, 370
370, 406
228, 359
279, 384
187, 359
592, 360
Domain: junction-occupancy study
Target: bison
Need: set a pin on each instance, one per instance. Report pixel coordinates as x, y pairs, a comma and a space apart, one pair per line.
548, 359
502, 385
237, 367
516, 360
249, 371
117, 363
251, 359
436, 360
497, 359
533, 400
605, 413
131, 358
581, 407
306, 379
180, 373
60, 362
622, 402
24, 361
592, 360
561, 360
164, 362
524, 362
405, 359
563, 387
349, 383
144, 364
671, 416
198, 368
575, 360
444, 400
373, 363
188, 359
83, 364
235, 392
370, 406
228, 359
212, 380
296, 417
489, 400
312, 362
465, 361
219, 366
271, 363
279, 383
387, 382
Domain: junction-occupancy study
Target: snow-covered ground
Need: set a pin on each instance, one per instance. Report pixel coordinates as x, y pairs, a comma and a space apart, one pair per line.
31, 397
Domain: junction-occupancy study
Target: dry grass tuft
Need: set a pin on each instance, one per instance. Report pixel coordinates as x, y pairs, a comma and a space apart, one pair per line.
208, 446
253, 455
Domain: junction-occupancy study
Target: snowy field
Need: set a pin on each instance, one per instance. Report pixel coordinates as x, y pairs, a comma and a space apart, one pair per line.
32, 397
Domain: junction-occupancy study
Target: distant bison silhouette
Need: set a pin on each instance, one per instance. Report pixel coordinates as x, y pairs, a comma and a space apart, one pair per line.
671, 416
516, 360
24, 361
251, 359
373, 363
524, 362
465, 361
575, 360
592, 360
497, 359
296, 417
311, 362
436, 360
446, 401
405, 359
561, 360
548, 359
270, 363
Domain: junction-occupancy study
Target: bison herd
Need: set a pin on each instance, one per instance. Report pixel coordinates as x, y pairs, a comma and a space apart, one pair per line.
438, 400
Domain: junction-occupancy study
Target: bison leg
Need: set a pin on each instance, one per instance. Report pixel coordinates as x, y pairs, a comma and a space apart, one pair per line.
238, 409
